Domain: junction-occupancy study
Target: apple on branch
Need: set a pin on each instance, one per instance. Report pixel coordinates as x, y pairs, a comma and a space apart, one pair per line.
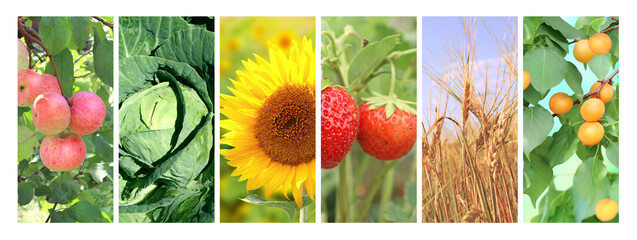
62, 152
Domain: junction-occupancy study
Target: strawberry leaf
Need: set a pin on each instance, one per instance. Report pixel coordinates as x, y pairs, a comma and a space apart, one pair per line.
389, 110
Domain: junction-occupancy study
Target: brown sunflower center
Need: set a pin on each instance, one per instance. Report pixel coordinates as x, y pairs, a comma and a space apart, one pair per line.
285, 125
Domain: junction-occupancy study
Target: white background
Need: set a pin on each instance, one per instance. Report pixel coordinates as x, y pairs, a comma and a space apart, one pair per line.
10, 229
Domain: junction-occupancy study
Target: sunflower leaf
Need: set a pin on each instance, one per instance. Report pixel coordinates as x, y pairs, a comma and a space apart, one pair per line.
289, 207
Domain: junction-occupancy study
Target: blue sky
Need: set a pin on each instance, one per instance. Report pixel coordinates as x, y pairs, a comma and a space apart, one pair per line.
438, 30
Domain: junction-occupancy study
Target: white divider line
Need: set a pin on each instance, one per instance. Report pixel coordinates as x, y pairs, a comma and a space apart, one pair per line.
520, 19
419, 119
217, 128
115, 100
317, 48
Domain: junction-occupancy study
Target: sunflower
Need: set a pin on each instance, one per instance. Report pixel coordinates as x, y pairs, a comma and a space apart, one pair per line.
271, 122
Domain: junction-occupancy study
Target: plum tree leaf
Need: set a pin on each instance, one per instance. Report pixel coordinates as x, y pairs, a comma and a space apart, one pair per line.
27, 143
563, 146
55, 32
566, 29
80, 26
600, 65
612, 153
25, 193
538, 122
589, 179
64, 64
574, 80
546, 66
589, 25
541, 171
104, 61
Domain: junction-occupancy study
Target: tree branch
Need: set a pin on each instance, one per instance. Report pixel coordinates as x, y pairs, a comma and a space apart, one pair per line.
607, 80
49, 217
605, 31
33, 37
110, 25
22, 179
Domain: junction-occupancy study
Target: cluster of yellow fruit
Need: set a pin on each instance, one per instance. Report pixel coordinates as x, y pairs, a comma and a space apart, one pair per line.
585, 49
592, 110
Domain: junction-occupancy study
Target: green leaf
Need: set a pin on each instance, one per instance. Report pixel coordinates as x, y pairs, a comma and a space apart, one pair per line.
98, 30
530, 25
574, 80
395, 213
80, 27
42, 190
141, 35
389, 110
55, 32
289, 207
61, 216
612, 153
193, 46
554, 35
600, 65
370, 57
98, 173
533, 96
26, 148
589, 25
134, 42
84, 211
103, 61
538, 122
134, 74
589, 179
614, 50
64, 193
144, 208
64, 64
542, 172
612, 108
566, 29
25, 193
546, 66
563, 146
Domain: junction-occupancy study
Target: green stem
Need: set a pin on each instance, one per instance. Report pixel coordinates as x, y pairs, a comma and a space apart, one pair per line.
399, 54
372, 192
302, 215
338, 69
361, 170
351, 189
386, 193
393, 78
342, 189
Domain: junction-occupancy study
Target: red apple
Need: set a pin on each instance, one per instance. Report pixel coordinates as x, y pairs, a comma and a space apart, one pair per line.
62, 152
50, 83
29, 87
87, 113
23, 55
51, 113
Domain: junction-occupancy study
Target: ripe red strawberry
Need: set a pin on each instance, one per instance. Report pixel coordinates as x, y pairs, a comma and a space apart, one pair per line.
386, 138
339, 125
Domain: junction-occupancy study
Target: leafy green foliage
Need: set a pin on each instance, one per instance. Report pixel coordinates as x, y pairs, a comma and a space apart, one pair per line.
289, 207
549, 148
166, 128
84, 194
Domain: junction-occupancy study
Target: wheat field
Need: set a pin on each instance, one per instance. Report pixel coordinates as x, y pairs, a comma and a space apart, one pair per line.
469, 143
